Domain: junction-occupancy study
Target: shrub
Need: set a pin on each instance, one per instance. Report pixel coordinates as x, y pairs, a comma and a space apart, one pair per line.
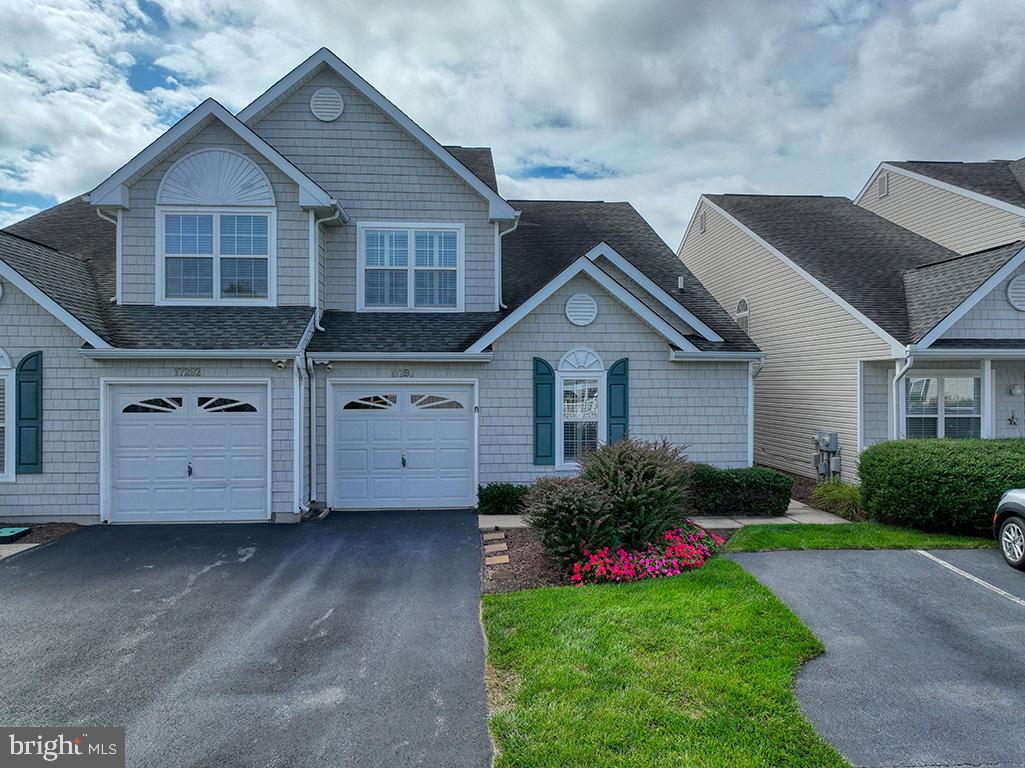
680, 549
501, 498
750, 491
626, 496
838, 497
940, 485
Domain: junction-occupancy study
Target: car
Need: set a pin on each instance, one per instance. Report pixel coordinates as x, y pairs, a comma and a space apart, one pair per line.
1009, 527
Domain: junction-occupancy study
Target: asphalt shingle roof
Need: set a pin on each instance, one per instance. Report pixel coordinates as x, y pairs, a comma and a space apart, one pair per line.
479, 161
999, 179
401, 331
856, 253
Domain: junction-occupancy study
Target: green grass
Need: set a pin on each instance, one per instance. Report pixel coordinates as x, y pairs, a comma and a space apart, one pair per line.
695, 670
765, 538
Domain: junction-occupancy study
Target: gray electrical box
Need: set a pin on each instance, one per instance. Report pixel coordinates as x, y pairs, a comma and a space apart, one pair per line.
827, 455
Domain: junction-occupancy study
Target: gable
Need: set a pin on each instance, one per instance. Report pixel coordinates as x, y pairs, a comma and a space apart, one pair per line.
993, 317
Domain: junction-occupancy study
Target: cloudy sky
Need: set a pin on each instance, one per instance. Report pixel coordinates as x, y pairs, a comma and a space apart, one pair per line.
651, 102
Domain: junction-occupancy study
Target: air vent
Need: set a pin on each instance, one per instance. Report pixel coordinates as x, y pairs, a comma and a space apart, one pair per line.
1016, 293
581, 309
326, 104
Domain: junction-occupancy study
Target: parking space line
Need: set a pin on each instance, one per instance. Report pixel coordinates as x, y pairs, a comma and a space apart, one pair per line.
970, 577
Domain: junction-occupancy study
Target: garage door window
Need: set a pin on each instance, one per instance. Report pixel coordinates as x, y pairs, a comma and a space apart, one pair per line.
371, 403
154, 405
224, 405
434, 402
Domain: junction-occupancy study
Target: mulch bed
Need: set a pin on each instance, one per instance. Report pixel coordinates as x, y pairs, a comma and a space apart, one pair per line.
529, 565
42, 533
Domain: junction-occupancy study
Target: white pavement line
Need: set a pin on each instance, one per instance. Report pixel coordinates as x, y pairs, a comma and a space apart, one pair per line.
970, 577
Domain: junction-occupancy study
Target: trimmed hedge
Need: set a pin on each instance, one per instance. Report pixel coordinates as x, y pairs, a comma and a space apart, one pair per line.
750, 491
501, 498
940, 485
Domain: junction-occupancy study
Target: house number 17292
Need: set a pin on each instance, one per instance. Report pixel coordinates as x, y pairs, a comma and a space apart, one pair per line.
188, 371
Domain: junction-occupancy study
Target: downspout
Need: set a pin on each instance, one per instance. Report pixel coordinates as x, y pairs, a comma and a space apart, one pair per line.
299, 370
498, 259
901, 371
311, 375
338, 215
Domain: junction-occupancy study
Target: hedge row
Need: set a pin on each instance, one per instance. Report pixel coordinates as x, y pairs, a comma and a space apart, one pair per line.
750, 491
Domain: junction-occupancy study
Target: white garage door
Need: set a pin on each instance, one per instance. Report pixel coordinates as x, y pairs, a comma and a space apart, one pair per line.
401, 447
189, 453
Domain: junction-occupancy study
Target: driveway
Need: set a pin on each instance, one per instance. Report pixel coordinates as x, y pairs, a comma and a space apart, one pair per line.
351, 642
923, 665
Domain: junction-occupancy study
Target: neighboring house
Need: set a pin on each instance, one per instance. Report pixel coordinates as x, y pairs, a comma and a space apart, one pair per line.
313, 300
869, 329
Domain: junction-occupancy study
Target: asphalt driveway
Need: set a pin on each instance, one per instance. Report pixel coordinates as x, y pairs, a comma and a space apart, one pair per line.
923, 665
351, 642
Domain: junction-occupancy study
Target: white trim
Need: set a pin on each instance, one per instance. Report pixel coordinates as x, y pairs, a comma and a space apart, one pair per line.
677, 356
106, 388
160, 256
751, 414
7, 381
221, 150
987, 427
954, 353
940, 374
298, 444
109, 353
673, 305
976, 296
314, 260
113, 191
29, 288
861, 405
498, 207
586, 266
119, 257
977, 197
411, 228
330, 405
603, 408
498, 267
896, 347
405, 357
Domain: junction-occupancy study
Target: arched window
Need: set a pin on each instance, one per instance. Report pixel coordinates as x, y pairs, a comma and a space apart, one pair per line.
7, 409
580, 393
743, 315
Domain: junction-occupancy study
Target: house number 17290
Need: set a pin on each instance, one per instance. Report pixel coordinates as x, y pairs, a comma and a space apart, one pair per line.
188, 371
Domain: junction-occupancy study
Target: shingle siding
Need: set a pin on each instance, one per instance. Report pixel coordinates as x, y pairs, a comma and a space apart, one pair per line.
812, 346
378, 172
992, 318
138, 239
69, 486
1007, 373
701, 405
877, 409
952, 220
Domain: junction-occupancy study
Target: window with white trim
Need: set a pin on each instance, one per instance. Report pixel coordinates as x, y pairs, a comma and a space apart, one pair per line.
410, 267
938, 405
743, 315
581, 405
216, 256
7, 410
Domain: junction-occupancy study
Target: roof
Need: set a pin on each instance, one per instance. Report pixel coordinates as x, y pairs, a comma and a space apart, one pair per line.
1002, 180
479, 161
857, 254
933, 290
401, 331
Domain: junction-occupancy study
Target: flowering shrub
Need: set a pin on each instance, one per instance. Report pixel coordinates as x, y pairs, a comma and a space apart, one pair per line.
681, 549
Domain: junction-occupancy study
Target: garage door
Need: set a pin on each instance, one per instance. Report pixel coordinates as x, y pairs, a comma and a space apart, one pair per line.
189, 453
402, 447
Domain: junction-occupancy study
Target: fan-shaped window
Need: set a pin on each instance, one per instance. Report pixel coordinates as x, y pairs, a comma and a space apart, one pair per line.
224, 405
7, 410
743, 315
435, 402
581, 360
215, 177
154, 405
371, 403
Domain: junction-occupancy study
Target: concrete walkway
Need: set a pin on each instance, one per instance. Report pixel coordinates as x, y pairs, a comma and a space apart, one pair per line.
797, 513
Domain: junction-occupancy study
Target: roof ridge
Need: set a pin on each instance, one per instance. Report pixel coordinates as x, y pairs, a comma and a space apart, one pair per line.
966, 255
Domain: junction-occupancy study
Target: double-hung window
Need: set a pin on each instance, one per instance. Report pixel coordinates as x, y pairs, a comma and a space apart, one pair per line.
580, 417
410, 267
217, 257
938, 405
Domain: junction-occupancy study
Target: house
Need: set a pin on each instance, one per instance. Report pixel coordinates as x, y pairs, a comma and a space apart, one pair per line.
314, 300
899, 314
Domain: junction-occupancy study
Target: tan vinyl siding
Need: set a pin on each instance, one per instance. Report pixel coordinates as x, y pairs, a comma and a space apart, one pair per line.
992, 318
952, 220
378, 172
812, 345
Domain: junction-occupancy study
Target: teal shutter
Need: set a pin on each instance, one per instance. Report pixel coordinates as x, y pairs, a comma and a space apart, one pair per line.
544, 413
29, 415
619, 400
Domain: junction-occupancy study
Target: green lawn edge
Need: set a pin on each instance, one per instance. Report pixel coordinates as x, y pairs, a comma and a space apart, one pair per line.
694, 670
770, 538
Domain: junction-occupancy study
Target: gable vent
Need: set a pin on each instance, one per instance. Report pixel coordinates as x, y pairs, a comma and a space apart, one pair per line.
581, 309
326, 104
1016, 293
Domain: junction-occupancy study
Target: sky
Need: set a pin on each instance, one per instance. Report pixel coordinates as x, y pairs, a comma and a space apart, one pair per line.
649, 101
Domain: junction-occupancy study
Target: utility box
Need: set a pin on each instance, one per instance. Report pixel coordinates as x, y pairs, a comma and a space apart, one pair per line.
827, 455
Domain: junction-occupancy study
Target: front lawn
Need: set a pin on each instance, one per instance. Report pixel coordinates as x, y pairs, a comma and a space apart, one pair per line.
766, 538
695, 670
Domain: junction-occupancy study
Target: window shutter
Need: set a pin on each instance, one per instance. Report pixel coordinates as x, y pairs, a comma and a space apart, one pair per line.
29, 415
544, 413
618, 399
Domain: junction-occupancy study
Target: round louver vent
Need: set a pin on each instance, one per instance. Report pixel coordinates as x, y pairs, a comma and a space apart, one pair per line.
581, 309
1016, 292
326, 104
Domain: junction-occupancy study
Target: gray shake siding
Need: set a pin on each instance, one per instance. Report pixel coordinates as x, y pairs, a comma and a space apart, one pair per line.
69, 485
139, 248
378, 173
992, 318
1005, 405
877, 410
701, 405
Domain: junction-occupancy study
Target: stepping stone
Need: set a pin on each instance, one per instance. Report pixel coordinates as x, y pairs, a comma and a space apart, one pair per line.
496, 560
499, 547
495, 536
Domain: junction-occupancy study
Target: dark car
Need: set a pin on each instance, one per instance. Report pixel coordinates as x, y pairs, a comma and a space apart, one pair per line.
1009, 527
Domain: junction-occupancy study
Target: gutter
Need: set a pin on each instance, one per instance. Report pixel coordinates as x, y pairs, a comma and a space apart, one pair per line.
901, 371
498, 258
168, 354
405, 357
677, 356
338, 215
969, 353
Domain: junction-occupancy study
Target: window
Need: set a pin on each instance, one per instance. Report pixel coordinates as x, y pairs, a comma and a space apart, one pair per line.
702, 222
581, 404
7, 411
216, 256
883, 184
743, 315
415, 267
943, 406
